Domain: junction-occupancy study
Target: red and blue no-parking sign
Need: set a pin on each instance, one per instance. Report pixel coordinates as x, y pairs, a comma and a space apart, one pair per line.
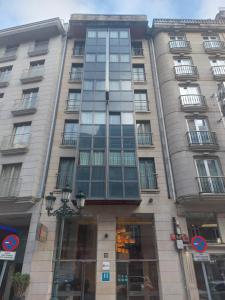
199, 243
11, 242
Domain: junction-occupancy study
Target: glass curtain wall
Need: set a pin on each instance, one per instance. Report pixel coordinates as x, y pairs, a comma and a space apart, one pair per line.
107, 165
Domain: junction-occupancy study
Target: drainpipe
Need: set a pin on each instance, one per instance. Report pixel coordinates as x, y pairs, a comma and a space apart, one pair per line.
166, 155
53, 121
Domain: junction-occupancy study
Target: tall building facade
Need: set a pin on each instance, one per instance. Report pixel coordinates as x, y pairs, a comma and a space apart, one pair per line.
189, 55
30, 57
107, 144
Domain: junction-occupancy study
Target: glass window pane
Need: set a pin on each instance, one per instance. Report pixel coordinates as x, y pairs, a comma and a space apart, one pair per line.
114, 58
131, 189
124, 58
84, 158
100, 57
100, 85
102, 34
114, 118
115, 173
125, 85
98, 158
99, 118
90, 57
114, 34
115, 158
124, 34
83, 173
127, 118
98, 173
116, 189
98, 189
115, 130
86, 118
129, 159
88, 85
114, 85
147, 173
91, 34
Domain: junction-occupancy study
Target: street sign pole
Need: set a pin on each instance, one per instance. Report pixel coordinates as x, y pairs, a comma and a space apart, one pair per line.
3, 272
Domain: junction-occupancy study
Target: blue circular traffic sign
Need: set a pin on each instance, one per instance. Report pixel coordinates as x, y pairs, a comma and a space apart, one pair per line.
199, 243
11, 242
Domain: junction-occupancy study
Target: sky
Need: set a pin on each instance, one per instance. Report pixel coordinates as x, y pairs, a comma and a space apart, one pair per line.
18, 12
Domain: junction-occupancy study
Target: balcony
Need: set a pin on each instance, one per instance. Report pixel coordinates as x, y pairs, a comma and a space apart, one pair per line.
138, 77
218, 72
202, 140
4, 79
192, 103
24, 107
144, 139
76, 76
137, 52
72, 105
69, 139
149, 183
214, 47
78, 51
10, 186
141, 106
8, 56
33, 74
186, 72
211, 184
180, 46
40, 49
63, 180
15, 144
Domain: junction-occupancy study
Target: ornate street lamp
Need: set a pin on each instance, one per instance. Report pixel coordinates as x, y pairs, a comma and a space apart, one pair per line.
63, 212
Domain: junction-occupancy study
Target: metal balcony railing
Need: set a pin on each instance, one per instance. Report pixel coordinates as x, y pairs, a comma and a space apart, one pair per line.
186, 71
38, 49
137, 51
149, 181
76, 76
4, 77
218, 71
78, 51
33, 72
214, 46
69, 139
138, 76
192, 100
9, 55
179, 45
201, 138
10, 186
25, 104
144, 139
63, 180
211, 184
15, 141
72, 105
141, 105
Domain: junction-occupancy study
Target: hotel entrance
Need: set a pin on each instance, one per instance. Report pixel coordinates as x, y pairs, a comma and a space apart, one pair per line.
210, 278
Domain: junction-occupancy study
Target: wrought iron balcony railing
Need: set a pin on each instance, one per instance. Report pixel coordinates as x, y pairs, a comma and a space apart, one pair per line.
214, 46
138, 76
25, 106
218, 71
78, 51
33, 74
185, 72
141, 105
10, 186
179, 46
15, 143
9, 55
202, 138
38, 49
137, 51
211, 184
63, 180
144, 139
69, 139
76, 76
149, 181
4, 79
72, 105
193, 102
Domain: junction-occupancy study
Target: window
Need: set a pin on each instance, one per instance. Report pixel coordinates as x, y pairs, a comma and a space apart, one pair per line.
123, 58
140, 100
144, 135
199, 132
100, 57
115, 158
90, 57
124, 34
217, 62
84, 158
11, 50
70, 133
127, 118
21, 134
99, 85
99, 118
114, 85
114, 34
65, 172
91, 34
37, 64
78, 48
102, 34
76, 72
204, 224
138, 73
129, 158
147, 173
88, 85
114, 58
211, 38
210, 176
114, 118
97, 158
10, 180
93, 118
177, 37
29, 98
1, 95
73, 101
125, 85
136, 49
41, 45
5, 72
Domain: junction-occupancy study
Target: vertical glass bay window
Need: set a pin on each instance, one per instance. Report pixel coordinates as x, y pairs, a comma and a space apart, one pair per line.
136, 265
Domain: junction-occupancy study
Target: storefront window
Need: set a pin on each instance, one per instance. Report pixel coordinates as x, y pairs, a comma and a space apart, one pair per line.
136, 260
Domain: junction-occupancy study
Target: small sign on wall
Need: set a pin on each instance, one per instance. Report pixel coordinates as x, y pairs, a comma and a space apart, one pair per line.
105, 276
7, 255
106, 266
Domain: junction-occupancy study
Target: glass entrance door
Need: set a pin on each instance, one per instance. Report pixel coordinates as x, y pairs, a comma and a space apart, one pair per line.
211, 278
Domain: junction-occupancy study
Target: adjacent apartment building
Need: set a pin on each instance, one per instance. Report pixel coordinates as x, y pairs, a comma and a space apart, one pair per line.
128, 115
